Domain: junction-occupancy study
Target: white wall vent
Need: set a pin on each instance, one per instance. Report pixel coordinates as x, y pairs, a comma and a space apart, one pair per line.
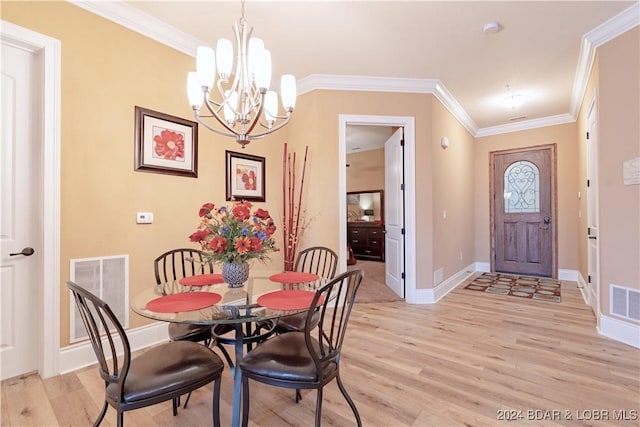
625, 302
105, 277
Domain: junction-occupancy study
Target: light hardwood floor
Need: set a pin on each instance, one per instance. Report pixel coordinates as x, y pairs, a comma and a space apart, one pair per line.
461, 362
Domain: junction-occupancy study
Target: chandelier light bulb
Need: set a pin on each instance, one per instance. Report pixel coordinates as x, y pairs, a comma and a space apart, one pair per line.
224, 58
194, 90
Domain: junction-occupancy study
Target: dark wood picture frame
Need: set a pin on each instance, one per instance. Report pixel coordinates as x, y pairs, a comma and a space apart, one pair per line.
245, 177
165, 144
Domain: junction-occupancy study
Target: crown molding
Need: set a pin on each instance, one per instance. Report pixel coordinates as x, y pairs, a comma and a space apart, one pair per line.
138, 21
559, 119
607, 31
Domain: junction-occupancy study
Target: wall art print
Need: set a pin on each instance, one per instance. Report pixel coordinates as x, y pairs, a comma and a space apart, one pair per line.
245, 177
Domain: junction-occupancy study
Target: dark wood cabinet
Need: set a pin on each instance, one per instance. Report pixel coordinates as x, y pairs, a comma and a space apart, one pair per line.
366, 240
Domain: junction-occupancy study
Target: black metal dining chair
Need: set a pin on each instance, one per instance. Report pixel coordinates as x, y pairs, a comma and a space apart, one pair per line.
162, 373
177, 264
308, 359
318, 260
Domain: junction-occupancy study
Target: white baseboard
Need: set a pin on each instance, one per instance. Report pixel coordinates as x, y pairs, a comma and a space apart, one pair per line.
619, 330
431, 296
79, 355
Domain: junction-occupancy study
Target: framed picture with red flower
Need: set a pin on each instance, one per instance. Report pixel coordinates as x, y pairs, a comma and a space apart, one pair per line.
165, 144
245, 177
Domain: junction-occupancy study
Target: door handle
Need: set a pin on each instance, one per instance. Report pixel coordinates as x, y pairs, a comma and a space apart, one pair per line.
546, 220
25, 251
592, 237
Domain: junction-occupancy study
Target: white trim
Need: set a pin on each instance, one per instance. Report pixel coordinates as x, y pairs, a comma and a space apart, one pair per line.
79, 355
408, 123
142, 23
564, 274
432, 296
560, 119
619, 330
483, 267
49, 50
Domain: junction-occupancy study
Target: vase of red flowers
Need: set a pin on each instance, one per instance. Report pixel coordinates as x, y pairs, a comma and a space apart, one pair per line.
233, 236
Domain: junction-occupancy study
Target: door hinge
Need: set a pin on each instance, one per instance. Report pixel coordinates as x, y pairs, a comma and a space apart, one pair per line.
402, 231
587, 135
402, 142
588, 183
588, 231
402, 275
401, 187
589, 278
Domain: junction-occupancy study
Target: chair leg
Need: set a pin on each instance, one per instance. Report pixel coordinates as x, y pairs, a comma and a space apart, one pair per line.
175, 405
187, 400
319, 407
245, 401
216, 402
298, 395
120, 419
101, 416
349, 401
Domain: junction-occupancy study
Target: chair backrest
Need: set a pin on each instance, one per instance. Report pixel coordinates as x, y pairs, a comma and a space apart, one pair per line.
317, 260
106, 334
334, 302
178, 263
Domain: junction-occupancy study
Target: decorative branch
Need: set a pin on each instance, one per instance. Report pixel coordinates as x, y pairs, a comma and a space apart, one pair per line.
291, 213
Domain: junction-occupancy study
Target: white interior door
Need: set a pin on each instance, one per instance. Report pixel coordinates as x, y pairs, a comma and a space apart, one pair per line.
20, 215
394, 213
592, 209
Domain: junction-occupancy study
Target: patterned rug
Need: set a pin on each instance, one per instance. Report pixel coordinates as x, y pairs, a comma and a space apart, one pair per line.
537, 288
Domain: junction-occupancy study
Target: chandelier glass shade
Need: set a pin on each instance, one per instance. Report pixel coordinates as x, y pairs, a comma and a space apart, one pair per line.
239, 103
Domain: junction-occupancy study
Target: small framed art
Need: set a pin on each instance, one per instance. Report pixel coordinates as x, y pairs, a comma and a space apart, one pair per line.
165, 144
245, 177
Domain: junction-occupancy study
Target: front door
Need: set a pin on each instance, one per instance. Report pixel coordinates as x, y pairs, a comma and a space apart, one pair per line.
523, 211
20, 256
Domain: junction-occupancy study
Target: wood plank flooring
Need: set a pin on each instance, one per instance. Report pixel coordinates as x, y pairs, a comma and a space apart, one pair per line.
465, 361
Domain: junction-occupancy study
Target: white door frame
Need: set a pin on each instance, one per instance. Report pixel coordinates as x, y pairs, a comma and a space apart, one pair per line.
593, 202
48, 52
409, 188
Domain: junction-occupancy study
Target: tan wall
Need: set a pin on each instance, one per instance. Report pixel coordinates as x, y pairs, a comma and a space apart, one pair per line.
106, 71
565, 137
366, 170
619, 141
316, 124
453, 177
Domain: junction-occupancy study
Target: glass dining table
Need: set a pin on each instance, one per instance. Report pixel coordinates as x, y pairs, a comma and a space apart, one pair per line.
251, 310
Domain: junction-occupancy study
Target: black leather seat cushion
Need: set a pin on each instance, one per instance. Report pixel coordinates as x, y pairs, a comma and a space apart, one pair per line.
188, 332
296, 322
283, 357
163, 369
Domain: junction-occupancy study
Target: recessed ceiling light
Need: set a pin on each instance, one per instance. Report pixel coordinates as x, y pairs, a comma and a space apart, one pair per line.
492, 27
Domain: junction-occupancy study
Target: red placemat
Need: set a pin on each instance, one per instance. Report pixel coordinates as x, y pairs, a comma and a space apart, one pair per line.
294, 277
187, 301
287, 300
201, 280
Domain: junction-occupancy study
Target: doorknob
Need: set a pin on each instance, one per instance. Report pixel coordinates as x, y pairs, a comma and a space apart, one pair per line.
546, 220
26, 252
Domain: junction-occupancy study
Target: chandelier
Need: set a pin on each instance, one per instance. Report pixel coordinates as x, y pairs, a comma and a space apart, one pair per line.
244, 109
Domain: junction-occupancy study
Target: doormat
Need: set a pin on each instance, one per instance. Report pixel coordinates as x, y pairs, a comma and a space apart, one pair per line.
537, 288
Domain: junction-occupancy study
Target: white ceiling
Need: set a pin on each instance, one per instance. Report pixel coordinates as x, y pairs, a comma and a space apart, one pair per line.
542, 52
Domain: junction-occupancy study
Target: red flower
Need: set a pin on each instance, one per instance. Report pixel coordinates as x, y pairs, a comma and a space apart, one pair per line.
271, 228
205, 209
256, 244
249, 180
262, 214
169, 145
242, 245
241, 210
218, 244
199, 235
